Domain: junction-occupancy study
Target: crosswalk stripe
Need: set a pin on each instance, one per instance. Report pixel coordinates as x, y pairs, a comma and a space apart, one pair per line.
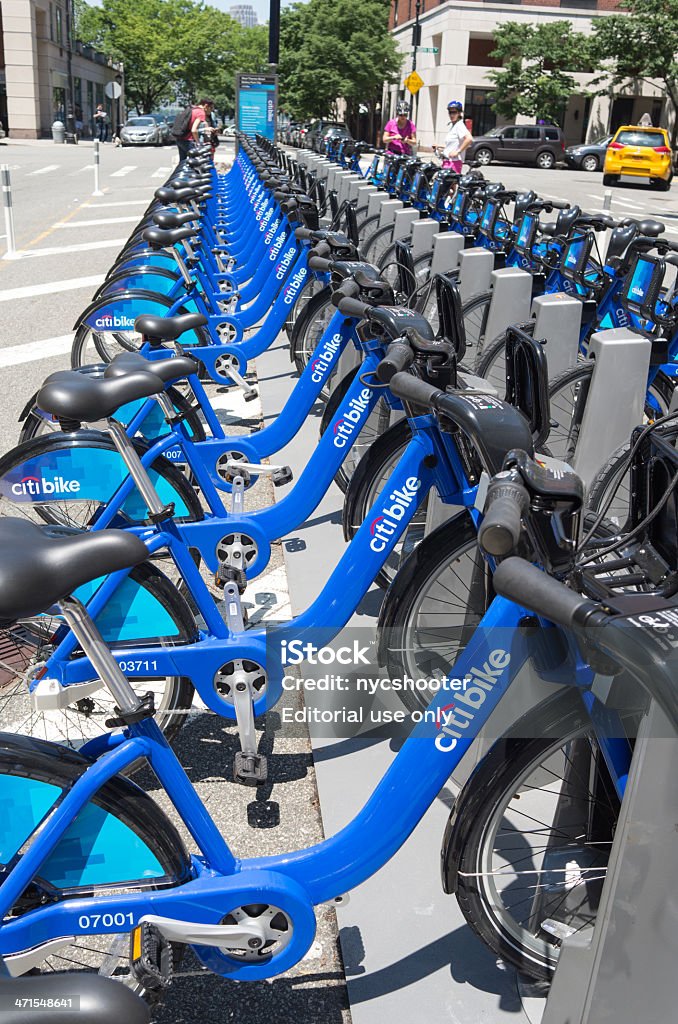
14, 355
50, 287
96, 223
58, 250
161, 172
123, 171
44, 170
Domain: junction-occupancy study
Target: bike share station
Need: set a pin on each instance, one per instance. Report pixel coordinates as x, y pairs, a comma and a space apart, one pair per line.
406, 948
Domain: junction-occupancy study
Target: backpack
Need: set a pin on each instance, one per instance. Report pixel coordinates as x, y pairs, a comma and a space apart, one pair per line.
182, 123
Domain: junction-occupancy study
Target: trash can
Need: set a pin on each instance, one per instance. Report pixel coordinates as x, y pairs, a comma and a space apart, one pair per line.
58, 131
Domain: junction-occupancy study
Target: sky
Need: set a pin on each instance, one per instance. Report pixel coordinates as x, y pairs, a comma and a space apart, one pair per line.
260, 6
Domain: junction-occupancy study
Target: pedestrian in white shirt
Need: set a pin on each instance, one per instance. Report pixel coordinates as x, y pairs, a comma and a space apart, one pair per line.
458, 138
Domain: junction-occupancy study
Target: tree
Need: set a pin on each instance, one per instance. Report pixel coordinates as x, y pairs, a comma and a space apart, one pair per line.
331, 50
535, 79
641, 45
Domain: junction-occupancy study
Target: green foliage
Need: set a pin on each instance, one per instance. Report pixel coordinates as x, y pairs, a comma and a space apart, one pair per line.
535, 78
173, 48
640, 44
331, 50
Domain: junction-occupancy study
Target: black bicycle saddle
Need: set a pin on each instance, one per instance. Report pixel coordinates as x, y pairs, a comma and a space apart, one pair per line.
174, 368
40, 565
167, 328
77, 396
168, 219
160, 239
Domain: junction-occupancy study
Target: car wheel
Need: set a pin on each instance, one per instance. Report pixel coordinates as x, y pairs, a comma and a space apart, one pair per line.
662, 184
484, 157
610, 179
546, 160
590, 163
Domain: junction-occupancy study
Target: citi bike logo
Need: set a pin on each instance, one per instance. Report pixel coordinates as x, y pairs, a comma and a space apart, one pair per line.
458, 716
621, 317
344, 427
271, 231
276, 247
111, 320
284, 264
321, 363
266, 219
295, 285
34, 487
387, 522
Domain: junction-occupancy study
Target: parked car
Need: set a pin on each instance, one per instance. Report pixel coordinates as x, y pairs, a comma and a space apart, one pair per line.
640, 153
589, 156
163, 125
141, 131
229, 130
540, 144
320, 130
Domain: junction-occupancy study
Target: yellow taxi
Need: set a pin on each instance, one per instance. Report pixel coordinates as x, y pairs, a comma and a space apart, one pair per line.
639, 152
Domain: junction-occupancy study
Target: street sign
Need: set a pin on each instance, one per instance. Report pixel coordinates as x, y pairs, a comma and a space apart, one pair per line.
427, 49
256, 104
414, 82
113, 90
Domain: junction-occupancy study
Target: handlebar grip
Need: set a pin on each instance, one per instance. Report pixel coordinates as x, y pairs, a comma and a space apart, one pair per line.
412, 389
303, 234
499, 531
349, 306
527, 585
318, 263
559, 204
399, 357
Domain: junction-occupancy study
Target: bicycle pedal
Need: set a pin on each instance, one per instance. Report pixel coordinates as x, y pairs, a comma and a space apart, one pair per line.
230, 574
250, 769
250, 395
151, 958
283, 475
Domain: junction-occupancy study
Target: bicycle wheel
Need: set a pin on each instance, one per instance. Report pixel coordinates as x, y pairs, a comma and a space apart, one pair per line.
615, 478
142, 849
377, 422
527, 844
376, 245
311, 288
87, 464
475, 312
367, 483
366, 227
568, 394
491, 364
31, 642
310, 326
433, 606
35, 423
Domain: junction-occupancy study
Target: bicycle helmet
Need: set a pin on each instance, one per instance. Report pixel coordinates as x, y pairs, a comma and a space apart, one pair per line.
455, 105
402, 108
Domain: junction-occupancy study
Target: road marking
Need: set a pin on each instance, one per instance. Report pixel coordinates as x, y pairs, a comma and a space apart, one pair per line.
87, 167
123, 171
57, 250
674, 231
626, 202
161, 172
49, 287
125, 202
14, 355
44, 170
95, 223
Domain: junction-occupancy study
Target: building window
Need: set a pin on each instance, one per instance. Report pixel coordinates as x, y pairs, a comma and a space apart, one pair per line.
59, 104
478, 109
59, 27
479, 54
51, 22
437, 43
396, 5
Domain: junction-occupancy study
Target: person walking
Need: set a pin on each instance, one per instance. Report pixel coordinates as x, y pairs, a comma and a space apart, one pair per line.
457, 140
200, 118
400, 133
101, 123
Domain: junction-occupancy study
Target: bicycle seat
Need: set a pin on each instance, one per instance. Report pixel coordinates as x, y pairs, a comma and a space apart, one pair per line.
651, 228
395, 320
40, 565
167, 328
100, 1000
174, 195
77, 396
174, 368
160, 239
494, 426
167, 219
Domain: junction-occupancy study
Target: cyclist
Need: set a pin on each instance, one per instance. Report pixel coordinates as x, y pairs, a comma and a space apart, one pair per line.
457, 140
400, 134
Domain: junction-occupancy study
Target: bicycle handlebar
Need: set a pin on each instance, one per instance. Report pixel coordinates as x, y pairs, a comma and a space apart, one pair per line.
526, 585
399, 357
412, 389
507, 501
319, 263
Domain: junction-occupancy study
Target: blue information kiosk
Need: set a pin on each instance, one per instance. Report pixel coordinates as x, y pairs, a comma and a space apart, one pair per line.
257, 104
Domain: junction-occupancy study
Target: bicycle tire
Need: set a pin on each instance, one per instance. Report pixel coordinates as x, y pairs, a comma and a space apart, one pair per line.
474, 313
143, 829
428, 584
375, 246
307, 325
497, 801
491, 364
366, 228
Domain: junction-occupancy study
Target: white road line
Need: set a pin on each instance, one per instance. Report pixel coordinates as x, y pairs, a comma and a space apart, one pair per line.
125, 202
14, 355
674, 231
161, 172
44, 170
50, 287
87, 167
626, 202
57, 250
95, 223
123, 171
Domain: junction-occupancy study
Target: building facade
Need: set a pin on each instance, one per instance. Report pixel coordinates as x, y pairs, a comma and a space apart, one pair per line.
461, 31
245, 14
34, 71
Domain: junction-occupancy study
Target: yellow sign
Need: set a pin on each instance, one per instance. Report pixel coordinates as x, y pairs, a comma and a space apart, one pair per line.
414, 82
